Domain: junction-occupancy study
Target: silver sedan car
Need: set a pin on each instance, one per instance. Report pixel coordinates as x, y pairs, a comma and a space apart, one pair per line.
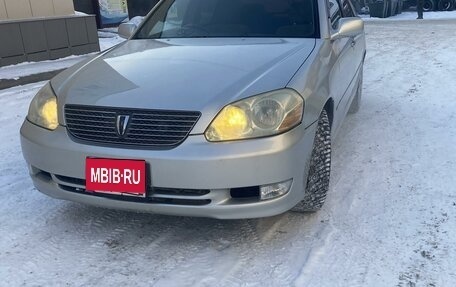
211, 108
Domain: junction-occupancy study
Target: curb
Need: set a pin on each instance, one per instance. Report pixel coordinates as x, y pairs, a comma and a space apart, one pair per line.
9, 83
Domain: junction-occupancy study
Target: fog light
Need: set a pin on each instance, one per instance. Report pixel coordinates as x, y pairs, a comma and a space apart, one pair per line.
274, 190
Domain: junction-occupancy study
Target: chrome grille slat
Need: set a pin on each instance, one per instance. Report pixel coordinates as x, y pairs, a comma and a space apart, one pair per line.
114, 141
185, 127
181, 114
115, 137
107, 125
83, 117
99, 137
87, 120
153, 128
164, 118
147, 134
144, 134
166, 121
140, 132
84, 130
146, 128
91, 113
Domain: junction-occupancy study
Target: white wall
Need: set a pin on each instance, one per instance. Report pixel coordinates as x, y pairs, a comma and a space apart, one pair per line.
24, 9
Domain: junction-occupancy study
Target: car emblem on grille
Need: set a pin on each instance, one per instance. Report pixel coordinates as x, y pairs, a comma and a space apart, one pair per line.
122, 124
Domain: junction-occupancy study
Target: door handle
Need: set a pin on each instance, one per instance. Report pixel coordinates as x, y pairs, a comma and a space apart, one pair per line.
353, 43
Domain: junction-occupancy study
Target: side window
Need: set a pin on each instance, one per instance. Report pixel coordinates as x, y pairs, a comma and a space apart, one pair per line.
334, 13
347, 9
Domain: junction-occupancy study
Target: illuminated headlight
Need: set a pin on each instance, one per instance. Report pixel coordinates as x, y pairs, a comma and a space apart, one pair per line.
260, 116
271, 191
43, 109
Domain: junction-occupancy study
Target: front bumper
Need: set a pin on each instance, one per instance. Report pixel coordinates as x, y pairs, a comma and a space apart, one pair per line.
57, 168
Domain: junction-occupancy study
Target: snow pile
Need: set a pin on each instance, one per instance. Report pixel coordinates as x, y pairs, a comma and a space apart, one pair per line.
136, 20
79, 13
442, 15
106, 43
30, 68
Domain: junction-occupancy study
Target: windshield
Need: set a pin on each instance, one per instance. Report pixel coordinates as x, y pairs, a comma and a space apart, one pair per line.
231, 18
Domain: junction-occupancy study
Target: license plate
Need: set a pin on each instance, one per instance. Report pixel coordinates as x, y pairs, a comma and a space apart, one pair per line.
116, 176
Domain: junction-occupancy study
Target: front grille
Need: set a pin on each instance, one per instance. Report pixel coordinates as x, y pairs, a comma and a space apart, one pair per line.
145, 128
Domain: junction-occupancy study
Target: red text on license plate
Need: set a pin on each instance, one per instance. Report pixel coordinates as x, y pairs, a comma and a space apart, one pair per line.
116, 176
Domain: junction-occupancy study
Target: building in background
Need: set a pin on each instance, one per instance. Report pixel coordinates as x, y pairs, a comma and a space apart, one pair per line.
109, 13
37, 30
112, 12
140, 7
25, 9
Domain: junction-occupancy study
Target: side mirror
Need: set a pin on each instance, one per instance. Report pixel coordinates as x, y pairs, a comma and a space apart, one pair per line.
349, 27
126, 30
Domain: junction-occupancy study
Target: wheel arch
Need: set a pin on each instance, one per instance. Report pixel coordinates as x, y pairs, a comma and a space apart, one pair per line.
329, 108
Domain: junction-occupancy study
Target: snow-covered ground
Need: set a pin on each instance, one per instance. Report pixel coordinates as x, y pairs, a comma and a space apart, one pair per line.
408, 15
30, 68
389, 220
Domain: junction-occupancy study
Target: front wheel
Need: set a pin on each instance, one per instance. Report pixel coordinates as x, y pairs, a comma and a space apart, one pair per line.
392, 9
320, 169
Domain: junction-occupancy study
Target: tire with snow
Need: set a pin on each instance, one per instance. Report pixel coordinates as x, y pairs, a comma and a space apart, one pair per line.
429, 5
400, 5
388, 8
385, 9
392, 8
445, 5
320, 168
356, 103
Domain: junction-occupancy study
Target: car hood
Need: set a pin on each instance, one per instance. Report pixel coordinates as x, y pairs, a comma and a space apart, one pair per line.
183, 74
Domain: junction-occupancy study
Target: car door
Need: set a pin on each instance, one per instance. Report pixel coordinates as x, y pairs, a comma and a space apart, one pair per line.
342, 51
358, 42
349, 58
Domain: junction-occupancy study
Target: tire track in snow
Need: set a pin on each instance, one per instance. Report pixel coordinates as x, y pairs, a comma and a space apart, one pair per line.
145, 239
323, 237
323, 253
222, 260
258, 245
83, 240
41, 263
203, 249
222, 242
430, 250
235, 276
105, 221
204, 257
